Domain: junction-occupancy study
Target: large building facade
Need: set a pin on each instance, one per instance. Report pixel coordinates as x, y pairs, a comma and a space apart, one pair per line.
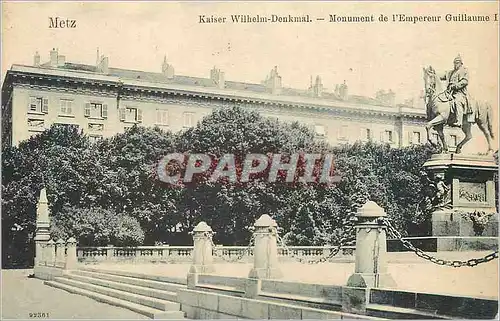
104, 101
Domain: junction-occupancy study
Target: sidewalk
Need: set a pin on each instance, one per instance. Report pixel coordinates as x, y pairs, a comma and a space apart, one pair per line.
22, 295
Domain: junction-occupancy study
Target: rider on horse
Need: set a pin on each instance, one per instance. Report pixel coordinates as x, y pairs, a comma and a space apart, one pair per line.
458, 79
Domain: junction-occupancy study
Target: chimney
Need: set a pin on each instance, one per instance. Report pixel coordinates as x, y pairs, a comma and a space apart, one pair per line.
273, 82
318, 87
103, 65
217, 77
53, 57
387, 98
391, 98
61, 60
37, 59
167, 69
343, 92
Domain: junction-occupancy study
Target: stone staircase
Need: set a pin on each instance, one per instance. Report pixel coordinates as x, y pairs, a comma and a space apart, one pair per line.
154, 297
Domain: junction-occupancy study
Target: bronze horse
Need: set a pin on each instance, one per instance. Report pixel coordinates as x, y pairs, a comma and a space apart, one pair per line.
438, 113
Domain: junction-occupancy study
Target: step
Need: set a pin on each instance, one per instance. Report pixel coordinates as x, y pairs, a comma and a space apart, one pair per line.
154, 293
391, 312
136, 298
160, 285
305, 301
141, 309
161, 278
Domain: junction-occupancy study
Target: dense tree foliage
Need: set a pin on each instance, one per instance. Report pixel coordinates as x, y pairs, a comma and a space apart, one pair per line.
96, 227
109, 192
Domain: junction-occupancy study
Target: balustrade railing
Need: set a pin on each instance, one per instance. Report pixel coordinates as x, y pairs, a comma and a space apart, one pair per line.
183, 254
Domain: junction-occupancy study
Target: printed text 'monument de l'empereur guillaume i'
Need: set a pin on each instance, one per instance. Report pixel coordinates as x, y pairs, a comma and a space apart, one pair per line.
396, 17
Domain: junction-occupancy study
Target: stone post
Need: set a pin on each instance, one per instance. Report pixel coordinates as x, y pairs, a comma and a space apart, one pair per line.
265, 250
50, 253
110, 251
71, 258
202, 253
42, 232
60, 253
371, 249
265, 255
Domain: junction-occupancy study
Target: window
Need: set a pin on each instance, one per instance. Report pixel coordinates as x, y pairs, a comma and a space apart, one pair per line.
435, 137
94, 138
96, 127
188, 119
343, 132
131, 115
66, 107
453, 140
367, 134
388, 137
38, 105
416, 138
162, 117
319, 130
96, 110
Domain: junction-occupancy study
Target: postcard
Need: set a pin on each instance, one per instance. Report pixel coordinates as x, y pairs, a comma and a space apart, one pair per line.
250, 160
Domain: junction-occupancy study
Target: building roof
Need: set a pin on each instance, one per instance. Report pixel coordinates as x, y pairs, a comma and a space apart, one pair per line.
206, 86
207, 82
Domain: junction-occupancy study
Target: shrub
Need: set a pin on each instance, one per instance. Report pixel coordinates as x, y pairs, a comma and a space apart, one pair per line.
96, 227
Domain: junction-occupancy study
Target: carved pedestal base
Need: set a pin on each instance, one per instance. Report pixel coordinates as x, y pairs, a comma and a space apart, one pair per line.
467, 188
464, 223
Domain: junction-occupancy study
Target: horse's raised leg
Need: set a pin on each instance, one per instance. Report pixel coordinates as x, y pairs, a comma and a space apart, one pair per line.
440, 131
438, 120
486, 135
429, 140
466, 128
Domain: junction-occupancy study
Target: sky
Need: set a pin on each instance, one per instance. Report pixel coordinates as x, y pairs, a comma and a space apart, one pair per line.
368, 56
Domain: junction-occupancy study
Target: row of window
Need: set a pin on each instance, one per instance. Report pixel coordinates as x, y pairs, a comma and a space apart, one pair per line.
386, 136
134, 115
343, 134
100, 111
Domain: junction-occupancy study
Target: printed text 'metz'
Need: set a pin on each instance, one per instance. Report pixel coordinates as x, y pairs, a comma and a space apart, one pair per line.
58, 22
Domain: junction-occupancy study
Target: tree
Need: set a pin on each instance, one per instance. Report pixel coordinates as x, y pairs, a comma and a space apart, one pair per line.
231, 208
45, 160
130, 185
96, 227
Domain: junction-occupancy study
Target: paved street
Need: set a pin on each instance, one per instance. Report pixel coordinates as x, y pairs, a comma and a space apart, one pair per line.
22, 295
409, 271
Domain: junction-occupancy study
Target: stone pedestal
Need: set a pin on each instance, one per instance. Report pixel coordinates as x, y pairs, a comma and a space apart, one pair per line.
42, 232
468, 200
202, 252
60, 253
71, 258
265, 255
371, 253
49, 254
265, 250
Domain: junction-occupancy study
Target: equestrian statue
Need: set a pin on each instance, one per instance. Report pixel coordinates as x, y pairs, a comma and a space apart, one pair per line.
453, 106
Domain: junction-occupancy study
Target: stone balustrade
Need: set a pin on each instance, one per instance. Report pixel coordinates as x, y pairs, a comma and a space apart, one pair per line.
183, 254
60, 254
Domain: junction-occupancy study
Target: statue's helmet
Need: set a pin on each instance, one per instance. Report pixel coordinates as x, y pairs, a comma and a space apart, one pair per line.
457, 59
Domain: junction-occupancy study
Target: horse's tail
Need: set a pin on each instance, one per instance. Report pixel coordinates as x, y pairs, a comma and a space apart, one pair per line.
489, 120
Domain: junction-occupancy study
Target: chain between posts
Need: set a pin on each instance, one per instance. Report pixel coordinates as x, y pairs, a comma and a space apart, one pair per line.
453, 263
239, 257
343, 241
